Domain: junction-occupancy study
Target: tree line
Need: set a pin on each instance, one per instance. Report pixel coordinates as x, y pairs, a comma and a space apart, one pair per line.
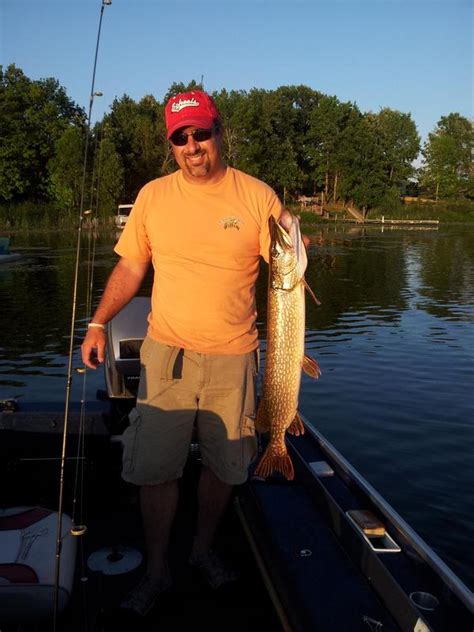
298, 140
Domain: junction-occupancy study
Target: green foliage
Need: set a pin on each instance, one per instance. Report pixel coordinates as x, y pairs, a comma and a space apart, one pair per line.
137, 131
296, 139
178, 87
66, 168
110, 187
399, 141
448, 169
390, 204
33, 115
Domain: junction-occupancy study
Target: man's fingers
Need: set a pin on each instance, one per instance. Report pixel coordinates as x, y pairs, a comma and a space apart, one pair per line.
89, 357
285, 221
93, 349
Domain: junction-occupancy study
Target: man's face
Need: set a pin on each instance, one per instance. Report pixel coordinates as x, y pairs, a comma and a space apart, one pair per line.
200, 162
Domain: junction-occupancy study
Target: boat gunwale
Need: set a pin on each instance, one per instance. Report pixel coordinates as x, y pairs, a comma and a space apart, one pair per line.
429, 556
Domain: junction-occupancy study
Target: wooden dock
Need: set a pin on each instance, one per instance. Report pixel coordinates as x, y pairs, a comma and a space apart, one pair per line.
401, 221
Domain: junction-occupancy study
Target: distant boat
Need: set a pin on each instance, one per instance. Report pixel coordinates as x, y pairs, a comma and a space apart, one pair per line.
5, 254
123, 212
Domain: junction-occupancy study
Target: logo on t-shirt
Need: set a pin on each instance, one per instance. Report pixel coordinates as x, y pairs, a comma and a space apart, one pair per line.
231, 222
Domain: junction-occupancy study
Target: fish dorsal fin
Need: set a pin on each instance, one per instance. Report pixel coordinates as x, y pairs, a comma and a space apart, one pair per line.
311, 293
311, 367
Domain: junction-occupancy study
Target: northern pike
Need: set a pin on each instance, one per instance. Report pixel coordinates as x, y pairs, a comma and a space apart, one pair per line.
285, 358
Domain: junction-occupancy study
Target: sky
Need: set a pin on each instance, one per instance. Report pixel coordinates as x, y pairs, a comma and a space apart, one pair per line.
415, 56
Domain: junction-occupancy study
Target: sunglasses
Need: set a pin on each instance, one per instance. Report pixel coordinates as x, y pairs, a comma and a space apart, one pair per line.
181, 138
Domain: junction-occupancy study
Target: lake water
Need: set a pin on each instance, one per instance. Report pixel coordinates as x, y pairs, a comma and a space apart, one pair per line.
394, 337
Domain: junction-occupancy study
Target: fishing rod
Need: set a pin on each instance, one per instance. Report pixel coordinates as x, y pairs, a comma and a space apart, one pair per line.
104, 3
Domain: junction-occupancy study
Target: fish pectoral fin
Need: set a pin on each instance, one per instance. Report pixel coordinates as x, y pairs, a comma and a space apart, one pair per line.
311, 367
311, 293
296, 427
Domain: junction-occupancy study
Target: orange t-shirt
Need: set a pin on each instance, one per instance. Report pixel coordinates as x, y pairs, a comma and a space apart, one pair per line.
205, 242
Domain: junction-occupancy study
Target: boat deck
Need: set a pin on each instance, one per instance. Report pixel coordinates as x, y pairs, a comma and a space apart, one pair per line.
113, 520
303, 565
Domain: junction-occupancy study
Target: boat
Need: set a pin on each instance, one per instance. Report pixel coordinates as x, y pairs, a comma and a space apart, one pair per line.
5, 255
123, 211
322, 552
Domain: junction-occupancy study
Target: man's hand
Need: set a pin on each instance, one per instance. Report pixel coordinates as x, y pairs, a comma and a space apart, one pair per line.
93, 347
124, 282
285, 221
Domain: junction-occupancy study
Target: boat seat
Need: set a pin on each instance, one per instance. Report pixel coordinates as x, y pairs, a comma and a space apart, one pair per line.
28, 562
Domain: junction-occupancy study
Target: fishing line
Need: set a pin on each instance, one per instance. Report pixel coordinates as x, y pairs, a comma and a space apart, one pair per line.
80, 528
72, 330
90, 259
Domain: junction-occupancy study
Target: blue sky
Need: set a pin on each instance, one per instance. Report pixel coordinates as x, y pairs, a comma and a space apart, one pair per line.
412, 55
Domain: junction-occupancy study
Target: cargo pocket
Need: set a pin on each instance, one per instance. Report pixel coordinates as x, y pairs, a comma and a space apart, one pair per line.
130, 442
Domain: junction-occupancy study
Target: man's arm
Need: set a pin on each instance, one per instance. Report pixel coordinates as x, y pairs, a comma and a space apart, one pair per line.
123, 284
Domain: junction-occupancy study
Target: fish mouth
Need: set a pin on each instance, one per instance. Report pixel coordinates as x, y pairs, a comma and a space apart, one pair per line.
279, 237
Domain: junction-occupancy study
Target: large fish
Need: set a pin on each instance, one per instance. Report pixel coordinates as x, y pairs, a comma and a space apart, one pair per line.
285, 357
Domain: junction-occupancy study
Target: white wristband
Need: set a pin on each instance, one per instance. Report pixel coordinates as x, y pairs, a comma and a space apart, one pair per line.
100, 325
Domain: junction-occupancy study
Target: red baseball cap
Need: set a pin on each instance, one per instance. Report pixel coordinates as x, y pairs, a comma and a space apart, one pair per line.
190, 108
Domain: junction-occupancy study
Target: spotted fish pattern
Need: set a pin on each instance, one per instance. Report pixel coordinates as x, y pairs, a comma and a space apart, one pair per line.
285, 358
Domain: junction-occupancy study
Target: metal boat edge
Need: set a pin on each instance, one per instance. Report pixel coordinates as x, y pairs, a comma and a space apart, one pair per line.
422, 548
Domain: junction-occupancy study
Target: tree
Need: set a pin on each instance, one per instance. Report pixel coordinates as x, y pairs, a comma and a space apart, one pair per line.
110, 181
263, 123
178, 87
363, 178
137, 131
333, 146
448, 170
265, 133
399, 141
33, 116
229, 105
66, 168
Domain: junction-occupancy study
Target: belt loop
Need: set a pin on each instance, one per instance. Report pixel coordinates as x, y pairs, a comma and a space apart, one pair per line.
257, 359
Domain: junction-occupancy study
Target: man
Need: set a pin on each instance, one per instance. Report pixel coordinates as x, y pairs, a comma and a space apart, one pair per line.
204, 228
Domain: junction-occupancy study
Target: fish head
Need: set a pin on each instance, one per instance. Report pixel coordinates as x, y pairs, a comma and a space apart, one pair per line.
288, 258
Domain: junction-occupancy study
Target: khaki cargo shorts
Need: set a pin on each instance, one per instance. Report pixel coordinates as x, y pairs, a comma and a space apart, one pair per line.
179, 389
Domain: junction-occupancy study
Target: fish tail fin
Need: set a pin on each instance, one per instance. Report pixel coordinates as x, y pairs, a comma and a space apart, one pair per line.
311, 367
270, 463
296, 427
